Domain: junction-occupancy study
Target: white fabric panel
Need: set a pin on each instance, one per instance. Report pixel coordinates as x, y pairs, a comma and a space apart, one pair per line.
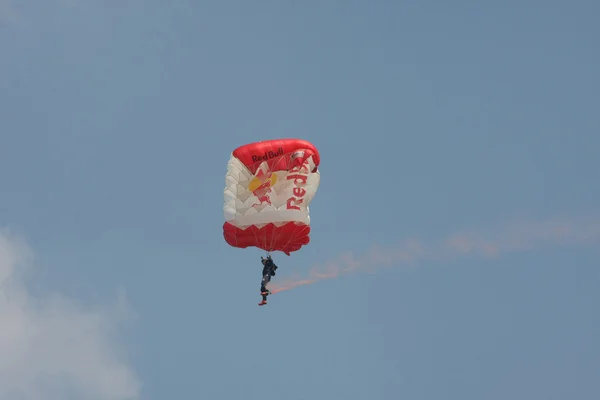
242, 207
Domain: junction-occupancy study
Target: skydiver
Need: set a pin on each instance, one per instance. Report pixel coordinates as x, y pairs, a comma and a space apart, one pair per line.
268, 271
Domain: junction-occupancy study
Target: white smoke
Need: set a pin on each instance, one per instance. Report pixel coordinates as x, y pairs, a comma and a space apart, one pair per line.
51, 348
517, 236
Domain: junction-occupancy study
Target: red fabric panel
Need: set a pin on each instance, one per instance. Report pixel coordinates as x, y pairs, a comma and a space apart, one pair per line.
276, 152
287, 238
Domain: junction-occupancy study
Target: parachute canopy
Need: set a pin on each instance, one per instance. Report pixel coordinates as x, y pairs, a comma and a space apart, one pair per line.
268, 188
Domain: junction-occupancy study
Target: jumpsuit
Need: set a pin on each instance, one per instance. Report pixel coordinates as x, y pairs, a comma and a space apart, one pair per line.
267, 272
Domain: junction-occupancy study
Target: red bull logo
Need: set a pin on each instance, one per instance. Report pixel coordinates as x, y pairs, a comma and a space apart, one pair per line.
300, 175
268, 155
260, 186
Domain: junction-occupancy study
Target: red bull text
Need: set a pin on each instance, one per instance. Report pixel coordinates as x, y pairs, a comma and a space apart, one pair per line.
268, 155
300, 176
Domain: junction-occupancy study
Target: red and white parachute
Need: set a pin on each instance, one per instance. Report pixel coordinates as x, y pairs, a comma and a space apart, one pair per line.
268, 188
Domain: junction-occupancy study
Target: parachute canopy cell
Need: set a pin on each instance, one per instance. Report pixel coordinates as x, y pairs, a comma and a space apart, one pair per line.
268, 188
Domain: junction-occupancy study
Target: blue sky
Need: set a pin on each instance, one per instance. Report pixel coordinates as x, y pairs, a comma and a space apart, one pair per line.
469, 131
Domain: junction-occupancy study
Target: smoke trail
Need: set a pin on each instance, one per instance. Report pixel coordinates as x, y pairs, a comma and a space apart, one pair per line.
512, 237
348, 264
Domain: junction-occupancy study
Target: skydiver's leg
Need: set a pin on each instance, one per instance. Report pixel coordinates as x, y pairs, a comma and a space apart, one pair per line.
263, 284
263, 289
265, 281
